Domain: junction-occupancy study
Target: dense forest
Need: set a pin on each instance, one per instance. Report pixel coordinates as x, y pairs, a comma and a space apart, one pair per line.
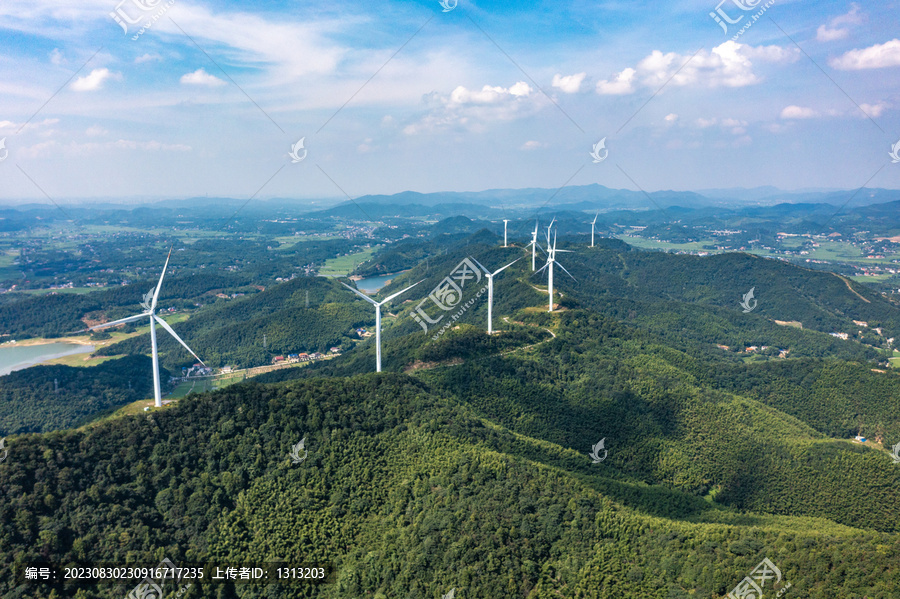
408, 492
46, 398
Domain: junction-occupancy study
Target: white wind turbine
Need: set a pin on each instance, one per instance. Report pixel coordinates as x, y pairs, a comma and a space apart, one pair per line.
149, 305
592, 229
378, 316
504, 232
551, 260
533, 245
490, 277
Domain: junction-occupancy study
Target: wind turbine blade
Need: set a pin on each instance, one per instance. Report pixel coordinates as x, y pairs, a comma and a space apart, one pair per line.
486, 271
360, 294
595, 219
566, 271
389, 298
115, 322
540, 269
497, 272
159, 285
166, 326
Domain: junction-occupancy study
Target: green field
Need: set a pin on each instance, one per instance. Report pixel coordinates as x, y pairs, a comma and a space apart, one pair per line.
344, 265
77, 290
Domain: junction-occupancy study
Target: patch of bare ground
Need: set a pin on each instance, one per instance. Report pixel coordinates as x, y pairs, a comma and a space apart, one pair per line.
420, 365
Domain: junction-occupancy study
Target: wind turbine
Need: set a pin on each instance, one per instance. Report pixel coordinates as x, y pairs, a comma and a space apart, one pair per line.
504, 232
592, 229
149, 305
551, 260
533, 245
378, 316
490, 277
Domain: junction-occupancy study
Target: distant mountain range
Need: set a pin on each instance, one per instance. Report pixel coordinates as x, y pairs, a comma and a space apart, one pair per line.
574, 197
582, 198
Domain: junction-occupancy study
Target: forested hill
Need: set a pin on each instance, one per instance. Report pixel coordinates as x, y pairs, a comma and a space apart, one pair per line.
409, 493
46, 398
249, 331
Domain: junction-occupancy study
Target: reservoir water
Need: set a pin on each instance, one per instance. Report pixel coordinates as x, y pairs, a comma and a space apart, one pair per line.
17, 357
373, 284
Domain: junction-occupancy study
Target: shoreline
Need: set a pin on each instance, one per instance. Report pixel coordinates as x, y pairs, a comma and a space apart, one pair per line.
45, 341
45, 359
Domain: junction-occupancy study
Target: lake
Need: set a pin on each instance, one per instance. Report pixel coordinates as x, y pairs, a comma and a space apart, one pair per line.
373, 284
17, 357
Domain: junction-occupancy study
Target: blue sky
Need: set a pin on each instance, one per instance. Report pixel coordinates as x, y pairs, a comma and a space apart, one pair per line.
210, 98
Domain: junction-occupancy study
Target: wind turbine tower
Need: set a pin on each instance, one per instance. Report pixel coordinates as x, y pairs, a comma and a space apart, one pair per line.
504, 232
149, 304
551, 261
533, 245
490, 277
378, 316
592, 229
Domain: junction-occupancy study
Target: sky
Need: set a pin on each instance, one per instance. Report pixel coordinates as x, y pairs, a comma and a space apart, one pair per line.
149, 99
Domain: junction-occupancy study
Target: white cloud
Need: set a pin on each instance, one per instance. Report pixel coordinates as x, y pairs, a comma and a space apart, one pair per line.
833, 30
568, 84
671, 118
94, 80
472, 109
874, 57
798, 112
874, 110
620, 85
54, 148
95, 131
9, 125
824, 34
729, 64
531, 145
201, 77
56, 57
147, 58
127, 144
736, 126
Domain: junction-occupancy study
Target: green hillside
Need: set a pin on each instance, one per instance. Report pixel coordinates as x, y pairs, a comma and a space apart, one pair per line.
408, 492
